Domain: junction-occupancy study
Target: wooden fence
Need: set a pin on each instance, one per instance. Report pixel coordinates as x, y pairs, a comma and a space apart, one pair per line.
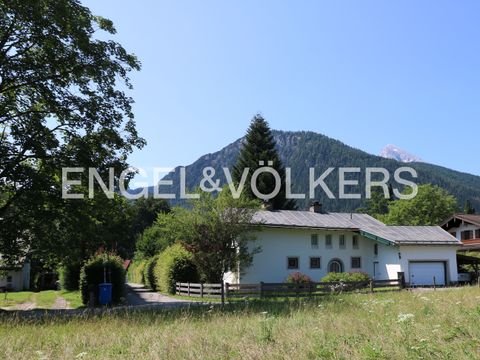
200, 290
270, 290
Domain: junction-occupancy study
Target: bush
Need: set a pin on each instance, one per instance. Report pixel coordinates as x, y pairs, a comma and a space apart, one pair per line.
135, 272
149, 277
92, 274
69, 277
174, 264
346, 277
298, 278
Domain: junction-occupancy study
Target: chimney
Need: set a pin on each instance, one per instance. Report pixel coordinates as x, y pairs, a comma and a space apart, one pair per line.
316, 207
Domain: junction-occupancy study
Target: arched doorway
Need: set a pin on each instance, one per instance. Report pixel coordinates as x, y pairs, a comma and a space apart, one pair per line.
335, 266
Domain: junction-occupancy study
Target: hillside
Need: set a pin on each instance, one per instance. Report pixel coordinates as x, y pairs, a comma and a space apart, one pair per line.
302, 150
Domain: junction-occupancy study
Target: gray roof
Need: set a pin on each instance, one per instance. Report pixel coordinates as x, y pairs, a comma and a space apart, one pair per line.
405, 235
308, 219
363, 223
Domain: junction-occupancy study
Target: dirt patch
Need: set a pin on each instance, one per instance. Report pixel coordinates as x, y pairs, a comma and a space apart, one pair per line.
24, 306
60, 304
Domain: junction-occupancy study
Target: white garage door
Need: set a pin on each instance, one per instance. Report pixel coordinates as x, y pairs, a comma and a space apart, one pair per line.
422, 273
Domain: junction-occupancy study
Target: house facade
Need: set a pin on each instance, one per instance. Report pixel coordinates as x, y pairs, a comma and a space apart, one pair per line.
15, 278
465, 228
316, 243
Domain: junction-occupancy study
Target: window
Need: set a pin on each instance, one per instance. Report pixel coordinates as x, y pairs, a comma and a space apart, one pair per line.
314, 263
355, 241
328, 241
9, 279
342, 241
292, 263
477, 234
375, 249
467, 234
335, 266
314, 241
356, 262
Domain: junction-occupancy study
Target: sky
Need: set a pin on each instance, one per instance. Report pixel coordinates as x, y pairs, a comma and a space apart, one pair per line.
368, 73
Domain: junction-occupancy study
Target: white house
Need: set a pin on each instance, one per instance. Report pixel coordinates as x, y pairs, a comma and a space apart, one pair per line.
315, 243
15, 278
466, 228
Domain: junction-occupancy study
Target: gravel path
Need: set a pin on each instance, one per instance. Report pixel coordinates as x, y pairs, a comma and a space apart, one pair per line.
24, 306
60, 304
137, 295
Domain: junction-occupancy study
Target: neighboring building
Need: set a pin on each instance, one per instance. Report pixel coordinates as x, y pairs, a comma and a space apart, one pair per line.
466, 228
15, 278
316, 243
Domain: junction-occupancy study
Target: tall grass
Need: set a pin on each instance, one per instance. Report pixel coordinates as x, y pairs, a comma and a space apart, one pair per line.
396, 325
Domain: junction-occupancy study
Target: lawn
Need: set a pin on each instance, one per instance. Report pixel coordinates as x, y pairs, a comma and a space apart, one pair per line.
388, 325
40, 300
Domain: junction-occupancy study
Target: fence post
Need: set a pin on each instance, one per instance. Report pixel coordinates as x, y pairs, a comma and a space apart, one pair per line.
201, 290
401, 280
188, 289
223, 292
261, 289
434, 284
226, 290
371, 286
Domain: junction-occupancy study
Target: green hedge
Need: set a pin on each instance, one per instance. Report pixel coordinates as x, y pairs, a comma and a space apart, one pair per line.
69, 276
92, 274
346, 277
135, 272
149, 276
174, 264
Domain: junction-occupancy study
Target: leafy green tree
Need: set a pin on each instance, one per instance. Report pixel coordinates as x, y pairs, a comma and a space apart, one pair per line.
259, 147
468, 208
156, 237
217, 232
145, 211
431, 206
377, 205
61, 105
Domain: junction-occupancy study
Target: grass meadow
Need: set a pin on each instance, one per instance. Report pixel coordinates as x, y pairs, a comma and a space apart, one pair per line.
441, 324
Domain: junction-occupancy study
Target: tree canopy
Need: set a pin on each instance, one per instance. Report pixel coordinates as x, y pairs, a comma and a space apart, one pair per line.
431, 206
215, 230
62, 104
259, 151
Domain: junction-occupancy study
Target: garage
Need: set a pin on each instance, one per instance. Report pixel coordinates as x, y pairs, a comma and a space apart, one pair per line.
422, 273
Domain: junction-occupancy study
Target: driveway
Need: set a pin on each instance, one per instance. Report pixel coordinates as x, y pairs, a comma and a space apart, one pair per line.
138, 295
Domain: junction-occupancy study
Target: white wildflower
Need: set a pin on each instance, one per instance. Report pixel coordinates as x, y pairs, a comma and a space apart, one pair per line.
404, 317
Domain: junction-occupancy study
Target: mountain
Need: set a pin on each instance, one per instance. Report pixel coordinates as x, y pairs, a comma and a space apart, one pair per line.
393, 152
302, 150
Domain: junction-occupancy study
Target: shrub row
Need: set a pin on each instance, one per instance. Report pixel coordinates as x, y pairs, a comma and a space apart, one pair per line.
160, 272
174, 264
99, 269
135, 272
69, 276
300, 278
149, 277
346, 277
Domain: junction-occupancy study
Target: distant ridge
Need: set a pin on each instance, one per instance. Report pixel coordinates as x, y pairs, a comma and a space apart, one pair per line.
304, 149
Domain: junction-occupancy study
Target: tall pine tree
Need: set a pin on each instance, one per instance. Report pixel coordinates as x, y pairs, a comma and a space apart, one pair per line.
259, 147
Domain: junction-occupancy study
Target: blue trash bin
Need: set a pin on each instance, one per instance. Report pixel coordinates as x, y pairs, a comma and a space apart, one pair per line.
105, 293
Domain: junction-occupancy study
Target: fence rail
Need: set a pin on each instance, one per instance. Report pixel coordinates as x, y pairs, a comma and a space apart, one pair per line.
200, 290
269, 290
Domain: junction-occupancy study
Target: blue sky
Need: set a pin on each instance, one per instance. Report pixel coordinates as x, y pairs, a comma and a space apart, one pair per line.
368, 73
